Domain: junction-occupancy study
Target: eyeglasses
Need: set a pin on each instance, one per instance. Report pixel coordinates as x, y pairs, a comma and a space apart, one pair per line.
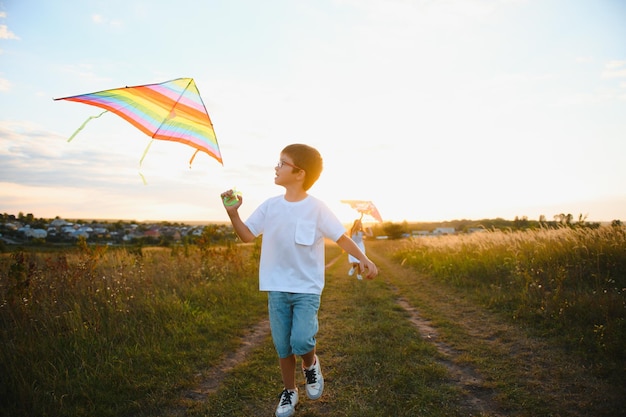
281, 163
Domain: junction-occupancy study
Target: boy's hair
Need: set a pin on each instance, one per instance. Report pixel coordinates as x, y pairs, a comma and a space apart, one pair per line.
307, 158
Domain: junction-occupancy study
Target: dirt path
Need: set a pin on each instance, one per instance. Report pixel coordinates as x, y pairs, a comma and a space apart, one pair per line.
478, 400
211, 381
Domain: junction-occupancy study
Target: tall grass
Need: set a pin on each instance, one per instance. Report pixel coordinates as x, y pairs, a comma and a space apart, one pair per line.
567, 283
91, 331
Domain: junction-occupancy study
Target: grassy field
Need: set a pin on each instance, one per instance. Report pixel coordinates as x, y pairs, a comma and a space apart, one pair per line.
496, 324
567, 284
110, 332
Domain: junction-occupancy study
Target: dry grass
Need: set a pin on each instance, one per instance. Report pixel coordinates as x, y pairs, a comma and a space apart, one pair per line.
88, 332
502, 365
567, 283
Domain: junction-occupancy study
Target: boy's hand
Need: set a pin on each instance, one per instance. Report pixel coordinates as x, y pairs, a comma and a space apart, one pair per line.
231, 199
368, 265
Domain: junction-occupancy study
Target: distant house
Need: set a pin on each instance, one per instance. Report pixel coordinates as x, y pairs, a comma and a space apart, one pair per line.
33, 233
100, 231
444, 231
38, 233
152, 232
11, 226
197, 231
80, 233
67, 230
57, 223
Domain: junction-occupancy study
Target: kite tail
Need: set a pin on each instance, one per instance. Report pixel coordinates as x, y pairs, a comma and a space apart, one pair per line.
145, 152
143, 179
193, 156
83, 125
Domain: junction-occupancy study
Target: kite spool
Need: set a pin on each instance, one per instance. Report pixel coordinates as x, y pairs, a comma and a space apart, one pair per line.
232, 199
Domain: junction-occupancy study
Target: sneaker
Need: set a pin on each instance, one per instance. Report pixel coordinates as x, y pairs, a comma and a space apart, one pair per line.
358, 276
314, 380
287, 404
351, 272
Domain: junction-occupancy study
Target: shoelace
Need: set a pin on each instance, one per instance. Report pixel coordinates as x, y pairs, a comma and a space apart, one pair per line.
286, 397
311, 376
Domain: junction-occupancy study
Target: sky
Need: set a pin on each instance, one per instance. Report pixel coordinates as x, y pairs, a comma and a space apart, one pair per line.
432, 109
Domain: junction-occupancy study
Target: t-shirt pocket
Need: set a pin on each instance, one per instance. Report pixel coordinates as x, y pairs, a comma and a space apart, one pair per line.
305, 233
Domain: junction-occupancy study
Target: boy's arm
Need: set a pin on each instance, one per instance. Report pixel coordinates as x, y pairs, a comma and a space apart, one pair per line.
349, 246
233, 213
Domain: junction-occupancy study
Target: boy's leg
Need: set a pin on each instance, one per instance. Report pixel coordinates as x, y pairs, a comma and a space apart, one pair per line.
304, 330
308, 359
305, 326
288, 371
280, 312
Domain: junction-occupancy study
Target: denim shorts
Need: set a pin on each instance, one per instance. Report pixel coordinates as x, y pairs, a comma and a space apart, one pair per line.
293, 321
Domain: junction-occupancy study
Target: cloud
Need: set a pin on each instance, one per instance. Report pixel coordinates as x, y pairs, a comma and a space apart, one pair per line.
615, 64
31, 156
5, 33
101, 20
614, 69
86, 73
584, 59
5, 85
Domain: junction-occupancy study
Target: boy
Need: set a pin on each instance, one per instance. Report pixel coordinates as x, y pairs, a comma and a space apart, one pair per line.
291, 269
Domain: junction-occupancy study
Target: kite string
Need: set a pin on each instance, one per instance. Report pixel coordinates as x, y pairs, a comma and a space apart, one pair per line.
84, 123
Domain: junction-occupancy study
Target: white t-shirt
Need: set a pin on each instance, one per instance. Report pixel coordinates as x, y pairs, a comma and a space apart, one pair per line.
292, 251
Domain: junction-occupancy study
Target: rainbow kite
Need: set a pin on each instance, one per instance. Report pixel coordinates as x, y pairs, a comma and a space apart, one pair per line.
364, 207
172, 111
